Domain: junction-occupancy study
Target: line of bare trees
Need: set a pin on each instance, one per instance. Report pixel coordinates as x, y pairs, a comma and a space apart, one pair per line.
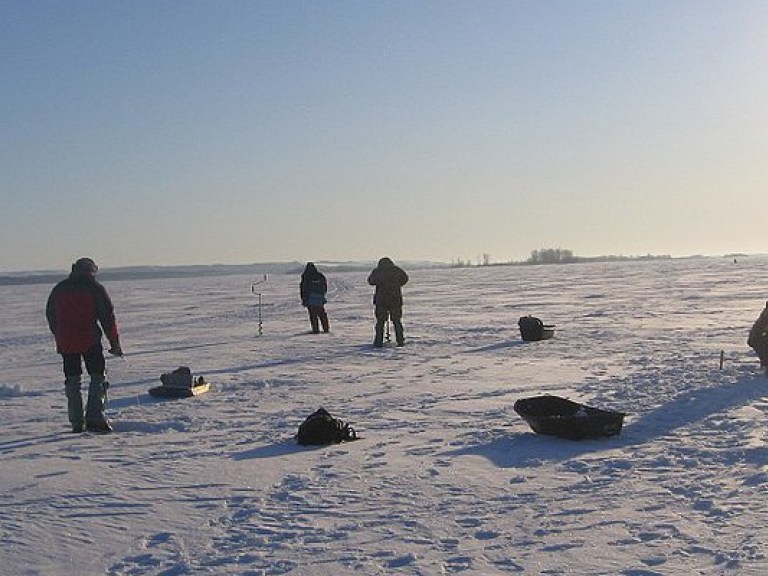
551, 256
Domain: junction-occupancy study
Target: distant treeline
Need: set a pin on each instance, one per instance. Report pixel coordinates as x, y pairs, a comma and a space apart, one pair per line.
564, 256
540, 256
558, 256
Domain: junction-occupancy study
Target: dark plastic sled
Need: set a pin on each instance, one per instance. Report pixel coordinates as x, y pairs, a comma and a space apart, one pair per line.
179, 392
556, 416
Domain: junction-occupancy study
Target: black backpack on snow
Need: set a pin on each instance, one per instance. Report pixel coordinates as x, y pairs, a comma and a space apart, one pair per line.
322, 428
531, 328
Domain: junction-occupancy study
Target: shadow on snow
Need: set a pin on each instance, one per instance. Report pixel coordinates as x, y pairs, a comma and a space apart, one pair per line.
283, 448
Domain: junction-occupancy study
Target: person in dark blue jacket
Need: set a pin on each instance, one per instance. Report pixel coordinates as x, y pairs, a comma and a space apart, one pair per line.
313, 289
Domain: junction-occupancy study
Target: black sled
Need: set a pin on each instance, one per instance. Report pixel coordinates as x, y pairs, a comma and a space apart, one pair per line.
556, 416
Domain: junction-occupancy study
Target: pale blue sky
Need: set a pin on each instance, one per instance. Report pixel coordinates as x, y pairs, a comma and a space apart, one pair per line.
191, 132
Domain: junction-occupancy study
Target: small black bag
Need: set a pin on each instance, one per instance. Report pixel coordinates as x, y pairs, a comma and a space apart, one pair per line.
322, 428
531, 328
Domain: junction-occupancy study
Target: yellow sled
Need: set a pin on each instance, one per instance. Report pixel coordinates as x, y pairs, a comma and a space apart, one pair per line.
173, 392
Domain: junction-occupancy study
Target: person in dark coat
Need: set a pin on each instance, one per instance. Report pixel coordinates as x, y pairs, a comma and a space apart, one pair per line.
312, 290
388, 299
758, 338
79, 312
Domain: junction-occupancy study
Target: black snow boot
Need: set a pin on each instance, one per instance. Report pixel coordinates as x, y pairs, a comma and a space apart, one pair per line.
399, 333
74, 402
95, 419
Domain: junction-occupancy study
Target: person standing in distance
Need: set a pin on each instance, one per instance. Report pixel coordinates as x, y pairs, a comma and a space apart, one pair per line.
312, 290
388, 299
78, 309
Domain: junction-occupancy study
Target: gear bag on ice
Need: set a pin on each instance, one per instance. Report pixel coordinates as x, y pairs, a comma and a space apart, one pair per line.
322, 428
533, 329
180, 383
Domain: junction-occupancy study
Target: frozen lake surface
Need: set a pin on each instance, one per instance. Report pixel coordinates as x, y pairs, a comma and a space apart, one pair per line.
446, 479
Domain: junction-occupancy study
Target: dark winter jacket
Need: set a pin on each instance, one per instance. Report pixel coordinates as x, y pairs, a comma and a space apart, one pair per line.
759, 329
75, 308
313, 286
388, 279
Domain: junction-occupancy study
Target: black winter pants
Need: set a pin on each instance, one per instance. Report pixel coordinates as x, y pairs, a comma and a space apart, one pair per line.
93, 358
759, 344
394, 313
317, 316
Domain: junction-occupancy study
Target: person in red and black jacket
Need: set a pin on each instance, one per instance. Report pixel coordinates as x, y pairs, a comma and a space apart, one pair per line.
78, 309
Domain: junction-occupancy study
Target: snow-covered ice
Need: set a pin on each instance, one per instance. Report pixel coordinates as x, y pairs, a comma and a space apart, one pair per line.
446, 478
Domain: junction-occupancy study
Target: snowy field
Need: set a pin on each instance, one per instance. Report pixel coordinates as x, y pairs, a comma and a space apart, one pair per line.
446, 479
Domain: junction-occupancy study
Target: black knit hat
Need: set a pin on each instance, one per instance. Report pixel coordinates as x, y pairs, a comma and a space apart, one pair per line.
85, 267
